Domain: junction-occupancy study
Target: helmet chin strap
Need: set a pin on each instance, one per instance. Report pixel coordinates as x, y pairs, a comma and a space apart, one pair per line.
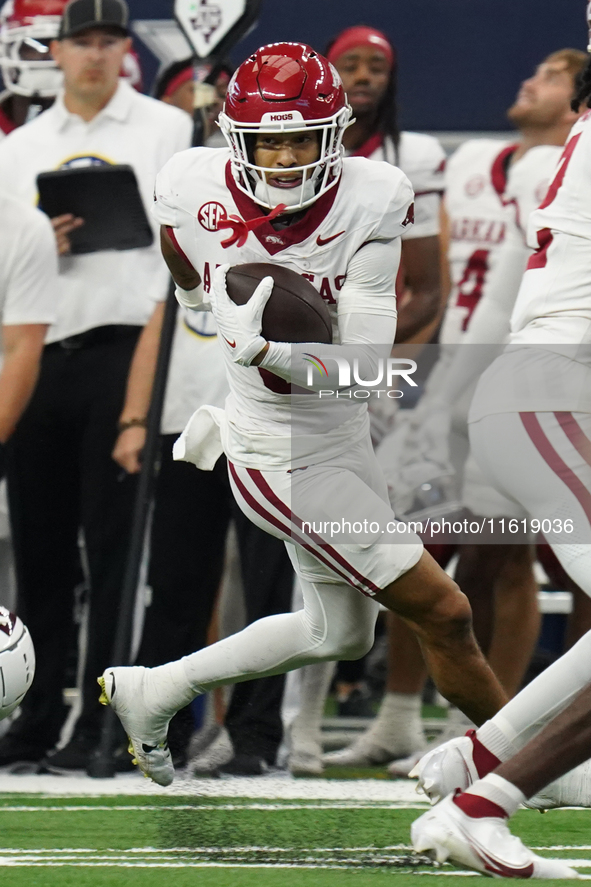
291, 198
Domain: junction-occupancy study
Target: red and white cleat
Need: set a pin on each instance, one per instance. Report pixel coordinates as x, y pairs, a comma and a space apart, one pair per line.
448, 767
484, 844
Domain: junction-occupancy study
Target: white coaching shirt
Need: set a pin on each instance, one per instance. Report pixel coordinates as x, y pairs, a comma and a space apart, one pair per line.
107, 287
28, 271
197, 372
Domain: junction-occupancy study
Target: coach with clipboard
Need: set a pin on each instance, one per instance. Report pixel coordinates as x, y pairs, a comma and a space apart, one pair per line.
90, 161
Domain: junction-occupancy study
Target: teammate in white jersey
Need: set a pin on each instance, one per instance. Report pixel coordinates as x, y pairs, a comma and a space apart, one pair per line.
491, 187
339, 222
368, 66
540, 425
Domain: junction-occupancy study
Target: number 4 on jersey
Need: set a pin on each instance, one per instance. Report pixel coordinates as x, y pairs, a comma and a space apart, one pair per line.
471, 284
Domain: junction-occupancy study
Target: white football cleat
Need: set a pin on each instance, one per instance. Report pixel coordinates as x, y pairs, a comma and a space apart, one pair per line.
305, 759
214, 756
571, 790
403, 767
484, 844
363, 752
147, 729
446, 768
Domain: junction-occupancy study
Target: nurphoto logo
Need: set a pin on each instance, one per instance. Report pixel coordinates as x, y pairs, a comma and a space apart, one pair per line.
389, 370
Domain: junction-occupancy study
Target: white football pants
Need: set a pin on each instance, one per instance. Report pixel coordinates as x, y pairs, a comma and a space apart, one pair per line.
543, 462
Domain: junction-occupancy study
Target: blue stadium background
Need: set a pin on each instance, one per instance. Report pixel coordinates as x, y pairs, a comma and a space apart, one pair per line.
460, 60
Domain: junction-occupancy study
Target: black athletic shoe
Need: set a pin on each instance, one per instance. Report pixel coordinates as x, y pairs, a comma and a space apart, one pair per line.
356, 705
73, 756
244, 765
15, 748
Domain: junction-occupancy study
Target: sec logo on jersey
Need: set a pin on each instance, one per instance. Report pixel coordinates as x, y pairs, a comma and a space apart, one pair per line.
210, 214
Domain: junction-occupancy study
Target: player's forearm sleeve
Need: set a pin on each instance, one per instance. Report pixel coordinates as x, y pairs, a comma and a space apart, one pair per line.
194, 299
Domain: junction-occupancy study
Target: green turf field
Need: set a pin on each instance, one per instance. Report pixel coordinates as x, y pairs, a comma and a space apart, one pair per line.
178, 841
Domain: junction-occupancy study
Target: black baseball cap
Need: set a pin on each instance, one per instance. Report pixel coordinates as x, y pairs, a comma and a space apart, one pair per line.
80, 15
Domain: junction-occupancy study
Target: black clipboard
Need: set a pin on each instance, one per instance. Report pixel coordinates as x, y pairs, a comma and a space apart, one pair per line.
106, 197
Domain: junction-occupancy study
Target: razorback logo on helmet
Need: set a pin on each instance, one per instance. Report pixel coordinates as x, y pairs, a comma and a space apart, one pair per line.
7, 621
210, 214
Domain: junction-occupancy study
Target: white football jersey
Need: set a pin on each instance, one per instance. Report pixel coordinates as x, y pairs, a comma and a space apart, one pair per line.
560, 312
372, 201
527, 182
567, 205
487, 199
422, 159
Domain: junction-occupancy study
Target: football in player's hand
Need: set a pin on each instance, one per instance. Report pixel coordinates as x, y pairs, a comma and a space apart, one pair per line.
295, 312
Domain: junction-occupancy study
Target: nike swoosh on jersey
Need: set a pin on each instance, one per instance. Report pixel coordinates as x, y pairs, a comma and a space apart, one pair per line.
321, 241
231, 344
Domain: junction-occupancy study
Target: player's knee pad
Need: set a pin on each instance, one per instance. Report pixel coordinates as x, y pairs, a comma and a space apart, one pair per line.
347, 641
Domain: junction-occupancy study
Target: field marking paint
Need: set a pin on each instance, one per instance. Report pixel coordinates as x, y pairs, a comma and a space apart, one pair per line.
164, 858
150, 808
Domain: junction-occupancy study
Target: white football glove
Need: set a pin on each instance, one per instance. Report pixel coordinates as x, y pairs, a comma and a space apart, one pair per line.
240, 325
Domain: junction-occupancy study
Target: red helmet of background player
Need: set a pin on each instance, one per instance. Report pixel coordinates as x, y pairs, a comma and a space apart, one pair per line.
284, 88
28, 26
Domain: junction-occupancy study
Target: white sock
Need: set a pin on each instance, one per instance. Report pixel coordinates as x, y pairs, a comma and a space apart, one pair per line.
499, 791
398, 723
314, 685
493, 738
540, 701
169, 690
335, 619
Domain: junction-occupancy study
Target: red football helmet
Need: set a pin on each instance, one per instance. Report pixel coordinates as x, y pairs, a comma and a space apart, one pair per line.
285, 87
26, 29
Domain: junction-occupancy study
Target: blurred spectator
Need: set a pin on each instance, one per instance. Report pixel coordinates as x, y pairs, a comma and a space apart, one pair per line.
61, 474
28, 304
177, 85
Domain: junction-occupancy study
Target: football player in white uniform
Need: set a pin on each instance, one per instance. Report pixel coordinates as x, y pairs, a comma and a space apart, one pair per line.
368, 67
339, 223
540, 424
491, 187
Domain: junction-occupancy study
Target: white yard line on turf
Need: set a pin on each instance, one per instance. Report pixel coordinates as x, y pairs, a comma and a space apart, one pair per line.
269, 787
151, 808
